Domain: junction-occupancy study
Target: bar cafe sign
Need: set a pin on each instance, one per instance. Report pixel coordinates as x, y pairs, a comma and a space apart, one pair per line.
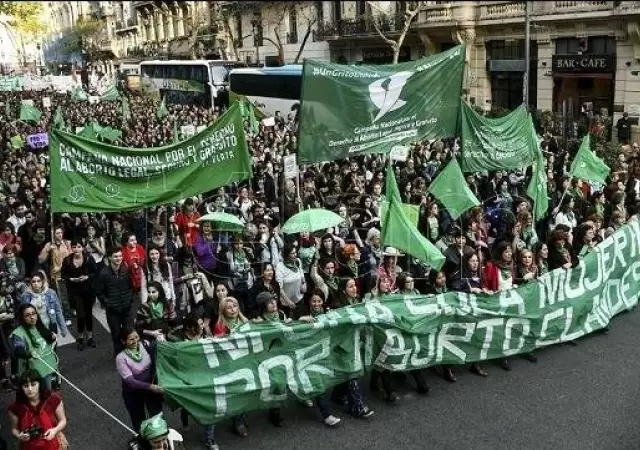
583, 63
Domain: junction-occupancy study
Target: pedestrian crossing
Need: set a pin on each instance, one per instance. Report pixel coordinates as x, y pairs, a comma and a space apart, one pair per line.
100, 317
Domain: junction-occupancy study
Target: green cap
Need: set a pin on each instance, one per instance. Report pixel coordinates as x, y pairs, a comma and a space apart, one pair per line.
154, 427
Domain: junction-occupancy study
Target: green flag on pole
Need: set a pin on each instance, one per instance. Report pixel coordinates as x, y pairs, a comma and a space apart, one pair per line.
29, 113
537, 190
162, 111
58, 120
110, 94
399, 232
587, 165
126, 111
451, 189
79, 95
16, 142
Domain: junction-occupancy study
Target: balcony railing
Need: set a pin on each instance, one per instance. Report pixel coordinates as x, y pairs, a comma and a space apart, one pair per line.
582, 6
502, 10
131, 22
324, 31
363, 26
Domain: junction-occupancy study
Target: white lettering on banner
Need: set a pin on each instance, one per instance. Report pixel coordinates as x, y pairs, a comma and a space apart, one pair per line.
488, 336
306, 359
579, 290
355, 317
236, 347
544, 330
565, 336
221, 382
508, 335
415, 359
363, 348
591, 285
394, 346
428, 305
510, 298
468, 302
264, 369
595, 318
551, 290
446, 340
378, 313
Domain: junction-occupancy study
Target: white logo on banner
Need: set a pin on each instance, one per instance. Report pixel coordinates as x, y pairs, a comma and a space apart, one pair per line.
385, 93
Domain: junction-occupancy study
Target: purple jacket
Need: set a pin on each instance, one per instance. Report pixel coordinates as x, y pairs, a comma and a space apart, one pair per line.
205, 252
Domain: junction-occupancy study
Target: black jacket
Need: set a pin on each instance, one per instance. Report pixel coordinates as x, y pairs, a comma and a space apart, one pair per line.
115, 289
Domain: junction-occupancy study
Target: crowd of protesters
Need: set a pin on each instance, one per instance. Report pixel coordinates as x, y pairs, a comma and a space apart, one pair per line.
161, 274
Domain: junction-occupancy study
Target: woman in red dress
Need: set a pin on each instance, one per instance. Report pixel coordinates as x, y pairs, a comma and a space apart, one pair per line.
37, 416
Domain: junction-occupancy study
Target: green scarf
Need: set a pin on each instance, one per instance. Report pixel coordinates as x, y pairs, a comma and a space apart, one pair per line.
136, 354
236, 323
353, 266
332, 283
156, 309
271, 317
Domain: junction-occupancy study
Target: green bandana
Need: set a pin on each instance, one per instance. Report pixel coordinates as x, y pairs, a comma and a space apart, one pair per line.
271, 317
156, 309
136, 354
154, 427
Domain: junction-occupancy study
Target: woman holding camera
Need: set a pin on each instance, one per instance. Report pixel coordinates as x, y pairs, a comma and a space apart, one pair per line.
37, 416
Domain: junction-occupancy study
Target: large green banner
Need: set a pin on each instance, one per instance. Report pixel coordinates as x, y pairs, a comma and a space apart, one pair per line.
351, 110
503, 143
263, 366
91, 176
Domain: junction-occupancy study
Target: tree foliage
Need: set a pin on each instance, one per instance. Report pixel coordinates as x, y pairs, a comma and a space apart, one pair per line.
402, 20
26, 17
83, 36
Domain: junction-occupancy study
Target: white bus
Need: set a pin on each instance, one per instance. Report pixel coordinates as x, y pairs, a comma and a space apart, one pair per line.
202, 82
271, 89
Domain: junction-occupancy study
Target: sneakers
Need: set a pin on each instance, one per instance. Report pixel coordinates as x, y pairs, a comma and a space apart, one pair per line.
80, 344
331, 421
211, 445
91, 343
68, 323
365, 413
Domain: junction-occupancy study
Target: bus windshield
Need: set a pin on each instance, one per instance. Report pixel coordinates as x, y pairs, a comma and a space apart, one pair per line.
271, 89
184, 83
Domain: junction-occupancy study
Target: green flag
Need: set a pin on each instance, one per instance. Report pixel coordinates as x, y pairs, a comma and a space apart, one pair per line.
162, 111
58, 119
537, 190
29, 113
253, 123
89, 131
126, 111
587, 166
110, 134
399, 232
110, 94
497, 144
16, 142
91, 176
452, 190
78, 95
353, 110
412, 212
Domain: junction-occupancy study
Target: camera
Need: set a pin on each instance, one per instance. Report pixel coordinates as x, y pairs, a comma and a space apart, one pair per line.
34, 431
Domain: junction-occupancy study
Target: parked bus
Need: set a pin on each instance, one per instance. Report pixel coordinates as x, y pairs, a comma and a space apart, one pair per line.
271, 89
204, 83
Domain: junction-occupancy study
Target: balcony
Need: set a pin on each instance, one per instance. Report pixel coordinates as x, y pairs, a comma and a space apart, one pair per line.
324, 31
436, 14
125, 25
359, 27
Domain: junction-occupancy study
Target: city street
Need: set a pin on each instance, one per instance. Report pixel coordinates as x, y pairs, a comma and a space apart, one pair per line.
574, 398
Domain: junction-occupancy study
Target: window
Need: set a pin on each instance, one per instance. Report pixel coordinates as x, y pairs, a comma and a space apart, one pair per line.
274, 86
239, 34
319, 12
501, 50
293, 26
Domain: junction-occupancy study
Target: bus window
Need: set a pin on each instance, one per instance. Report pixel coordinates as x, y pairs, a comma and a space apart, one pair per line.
273, 86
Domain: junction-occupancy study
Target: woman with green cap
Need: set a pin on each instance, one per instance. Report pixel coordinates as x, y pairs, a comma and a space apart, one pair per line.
156, 435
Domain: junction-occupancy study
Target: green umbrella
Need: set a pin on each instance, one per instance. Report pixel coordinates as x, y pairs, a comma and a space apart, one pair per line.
311, 220
223, 221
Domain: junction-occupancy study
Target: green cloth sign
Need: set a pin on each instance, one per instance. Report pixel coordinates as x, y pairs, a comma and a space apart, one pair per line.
412, 212
29, 113
587, 165
110, 94
452, 190
91, 176
264, 366
497, 144
398, 231
537, 190
352, 110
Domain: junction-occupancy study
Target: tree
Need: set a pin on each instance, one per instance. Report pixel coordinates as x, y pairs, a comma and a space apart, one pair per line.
225, 17
26, 19
379, 16
83, 37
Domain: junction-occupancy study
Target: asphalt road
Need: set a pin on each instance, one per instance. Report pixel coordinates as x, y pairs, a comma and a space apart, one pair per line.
574, 398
